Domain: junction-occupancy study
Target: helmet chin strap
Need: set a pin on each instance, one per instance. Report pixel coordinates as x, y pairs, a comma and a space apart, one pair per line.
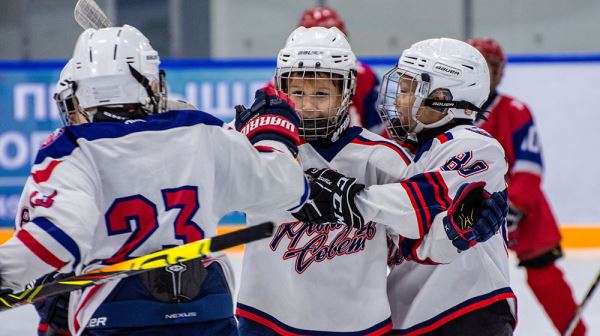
446, 119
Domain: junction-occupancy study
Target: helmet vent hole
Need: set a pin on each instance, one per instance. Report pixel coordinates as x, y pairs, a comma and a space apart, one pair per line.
119, 32
115, 52
90, 53
468, 66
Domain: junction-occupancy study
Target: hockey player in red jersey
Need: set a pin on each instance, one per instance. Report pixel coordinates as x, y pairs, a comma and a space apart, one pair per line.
126, 178
533, 230
362, 111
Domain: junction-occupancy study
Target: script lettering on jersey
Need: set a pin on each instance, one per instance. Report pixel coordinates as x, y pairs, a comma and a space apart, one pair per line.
309, 243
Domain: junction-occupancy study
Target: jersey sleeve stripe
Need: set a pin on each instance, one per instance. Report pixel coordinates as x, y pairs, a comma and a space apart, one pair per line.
413, 202
423, 206
430, 195
445, 201
39, 250
61, 237
360, 140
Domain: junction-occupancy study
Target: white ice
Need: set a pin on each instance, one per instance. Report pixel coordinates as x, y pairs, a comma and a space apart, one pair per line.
579, 266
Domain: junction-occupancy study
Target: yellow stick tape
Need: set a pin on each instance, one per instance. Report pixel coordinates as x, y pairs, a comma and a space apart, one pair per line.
573, 236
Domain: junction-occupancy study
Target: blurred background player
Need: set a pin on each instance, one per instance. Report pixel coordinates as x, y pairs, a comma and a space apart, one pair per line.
99, 193
533, 230
362, 111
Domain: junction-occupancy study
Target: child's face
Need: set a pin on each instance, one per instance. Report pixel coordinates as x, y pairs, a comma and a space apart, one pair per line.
406, 99
315, 97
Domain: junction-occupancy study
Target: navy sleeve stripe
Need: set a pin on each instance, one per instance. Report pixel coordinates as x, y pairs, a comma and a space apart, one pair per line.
60, 236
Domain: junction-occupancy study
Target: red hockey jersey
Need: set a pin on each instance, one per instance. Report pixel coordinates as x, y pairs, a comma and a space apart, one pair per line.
512, 124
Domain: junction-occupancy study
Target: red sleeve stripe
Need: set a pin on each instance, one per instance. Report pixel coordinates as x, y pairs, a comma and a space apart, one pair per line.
359, 140
424, 206
415, 205
436, 179
39, 250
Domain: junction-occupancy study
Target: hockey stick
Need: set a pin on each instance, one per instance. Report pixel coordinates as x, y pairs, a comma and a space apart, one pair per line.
575, 319
89, 15
138, 265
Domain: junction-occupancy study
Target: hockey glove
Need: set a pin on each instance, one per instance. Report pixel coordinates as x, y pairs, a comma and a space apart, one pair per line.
54, 310
331, 199
513, 218
271, 117
475, 215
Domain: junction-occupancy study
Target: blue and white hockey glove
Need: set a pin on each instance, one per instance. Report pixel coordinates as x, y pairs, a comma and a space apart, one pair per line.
272, 116
331, 199
475, 215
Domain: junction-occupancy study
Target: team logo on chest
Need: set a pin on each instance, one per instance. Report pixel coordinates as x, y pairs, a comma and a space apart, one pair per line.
309, 243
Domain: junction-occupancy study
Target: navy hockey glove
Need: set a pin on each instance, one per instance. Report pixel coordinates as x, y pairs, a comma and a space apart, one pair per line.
54, 310
475, 215
331, 199
271, 117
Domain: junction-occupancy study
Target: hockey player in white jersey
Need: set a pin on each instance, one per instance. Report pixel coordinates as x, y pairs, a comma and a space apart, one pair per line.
130, 181
433, 95
324, 278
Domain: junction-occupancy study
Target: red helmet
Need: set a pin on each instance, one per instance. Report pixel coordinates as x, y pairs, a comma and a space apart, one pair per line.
492, 51
321, 17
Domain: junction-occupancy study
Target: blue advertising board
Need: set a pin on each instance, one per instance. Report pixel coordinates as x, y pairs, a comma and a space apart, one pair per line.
28, 113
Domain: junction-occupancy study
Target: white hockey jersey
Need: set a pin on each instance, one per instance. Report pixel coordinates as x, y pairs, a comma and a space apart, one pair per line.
112, 191
424, 297
310, 278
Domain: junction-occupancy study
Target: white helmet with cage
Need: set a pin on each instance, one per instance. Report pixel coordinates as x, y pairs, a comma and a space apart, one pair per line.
445, 75
116, 67
318, 54
63, 93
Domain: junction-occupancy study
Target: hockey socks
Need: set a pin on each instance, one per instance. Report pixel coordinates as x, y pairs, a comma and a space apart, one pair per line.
552, 291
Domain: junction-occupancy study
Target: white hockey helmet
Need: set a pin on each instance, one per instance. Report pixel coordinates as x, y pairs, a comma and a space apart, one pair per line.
319, 53
444, 74
117, 66
64, 94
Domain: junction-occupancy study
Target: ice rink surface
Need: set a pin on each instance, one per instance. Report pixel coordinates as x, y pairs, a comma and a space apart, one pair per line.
580, 267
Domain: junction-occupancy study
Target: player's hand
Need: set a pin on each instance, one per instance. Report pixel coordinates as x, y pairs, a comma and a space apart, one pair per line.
331, 199
54, 310
475, 215
272, 116
514, 217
